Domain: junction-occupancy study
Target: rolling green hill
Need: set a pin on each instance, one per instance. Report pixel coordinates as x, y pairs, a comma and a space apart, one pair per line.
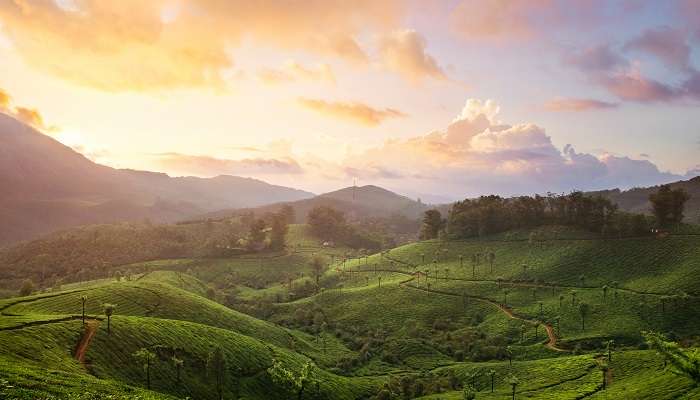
417, 321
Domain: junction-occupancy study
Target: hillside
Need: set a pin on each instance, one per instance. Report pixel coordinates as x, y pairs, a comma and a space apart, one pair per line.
48, 186
419, 321
356, 202
637, 199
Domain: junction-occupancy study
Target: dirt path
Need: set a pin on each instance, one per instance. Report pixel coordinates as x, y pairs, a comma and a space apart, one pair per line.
552, 337
90, 330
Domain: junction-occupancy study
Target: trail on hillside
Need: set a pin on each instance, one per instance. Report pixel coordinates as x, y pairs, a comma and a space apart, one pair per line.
552, 337
30, 324
89, 332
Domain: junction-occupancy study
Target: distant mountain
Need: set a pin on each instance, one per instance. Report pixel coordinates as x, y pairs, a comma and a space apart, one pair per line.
356, 202
637, 199
48, 186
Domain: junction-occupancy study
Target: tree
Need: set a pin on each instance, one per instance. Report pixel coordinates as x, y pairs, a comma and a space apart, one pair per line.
256, 235
492, 258
573, 297
605, 292
83, 299
468, 392
289, 213
509, 354
505, 297
432, 225
27, 288
278, 231
286, 378
109, 310
683, 362
537, 326
603, 366
609, 347
326, 223
178, 363
492, 374
561, 299
216, 364
583, 309
317, 264
513, 382
668, 205
146, 358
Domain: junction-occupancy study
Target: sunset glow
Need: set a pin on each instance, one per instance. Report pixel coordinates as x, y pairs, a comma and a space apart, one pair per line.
583, 94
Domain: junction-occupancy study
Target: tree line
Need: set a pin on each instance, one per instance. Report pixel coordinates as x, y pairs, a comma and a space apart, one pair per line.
494, 214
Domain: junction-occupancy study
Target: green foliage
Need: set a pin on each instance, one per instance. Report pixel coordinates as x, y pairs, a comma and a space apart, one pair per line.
668, 204
683, 361
432, 225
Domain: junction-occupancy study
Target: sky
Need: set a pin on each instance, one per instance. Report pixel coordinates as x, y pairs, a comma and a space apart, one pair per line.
434, 99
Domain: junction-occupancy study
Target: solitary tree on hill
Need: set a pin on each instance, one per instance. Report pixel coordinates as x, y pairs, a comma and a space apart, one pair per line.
492, 374
27, 288
492, 258
609, 347
83, 299
573, 297
509, 354
584, 309
513, 382
146, 358
178, 363
216, 364
537, 326
561, 299
505, 297
603, 366
605, 292
109, 310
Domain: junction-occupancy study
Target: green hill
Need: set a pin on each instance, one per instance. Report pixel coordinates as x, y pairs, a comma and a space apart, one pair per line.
417, 321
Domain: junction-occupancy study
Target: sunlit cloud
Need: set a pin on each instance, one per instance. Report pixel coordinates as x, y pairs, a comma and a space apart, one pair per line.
577, 105
163, 44
405, 52
29, 116
351, 111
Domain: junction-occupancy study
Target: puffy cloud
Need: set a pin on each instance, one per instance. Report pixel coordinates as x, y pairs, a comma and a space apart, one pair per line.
668, 44
404, 52
351, 111
476, 155
209, 166
162, 44
577, 105
293, 71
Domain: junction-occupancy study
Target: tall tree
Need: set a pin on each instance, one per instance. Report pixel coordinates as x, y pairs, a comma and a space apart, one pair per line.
109, 310
178, 363
146, 358
290, 380
327, 223
216, 364
83, 300
278, 231
668, 205
584, 309
432, 225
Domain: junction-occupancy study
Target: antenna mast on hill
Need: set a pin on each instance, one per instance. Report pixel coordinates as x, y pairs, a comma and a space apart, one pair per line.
354, 186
